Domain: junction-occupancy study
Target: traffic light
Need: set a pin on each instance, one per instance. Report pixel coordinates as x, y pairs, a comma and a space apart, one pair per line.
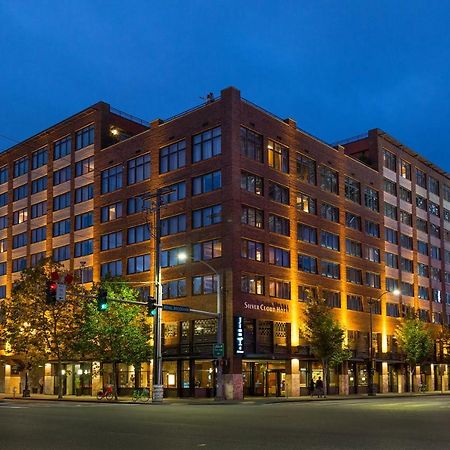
102, 300
151, 306
50, 292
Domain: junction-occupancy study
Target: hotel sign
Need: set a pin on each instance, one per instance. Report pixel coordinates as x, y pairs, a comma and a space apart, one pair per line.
239, 335
267, 307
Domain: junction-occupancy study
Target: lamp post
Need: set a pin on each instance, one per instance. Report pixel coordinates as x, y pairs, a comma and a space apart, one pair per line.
371, 302
219, 338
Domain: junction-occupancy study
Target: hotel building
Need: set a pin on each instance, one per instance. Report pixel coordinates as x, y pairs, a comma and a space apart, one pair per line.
276, 211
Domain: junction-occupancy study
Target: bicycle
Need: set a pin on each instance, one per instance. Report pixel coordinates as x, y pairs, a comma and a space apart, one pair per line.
106, 392
141, 394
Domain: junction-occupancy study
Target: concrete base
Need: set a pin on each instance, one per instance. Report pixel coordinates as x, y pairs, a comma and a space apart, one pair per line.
233, 386
293, 385
343, 385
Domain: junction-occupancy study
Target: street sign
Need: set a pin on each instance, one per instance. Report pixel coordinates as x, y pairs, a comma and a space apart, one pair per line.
176, 308
60, 292
218, 350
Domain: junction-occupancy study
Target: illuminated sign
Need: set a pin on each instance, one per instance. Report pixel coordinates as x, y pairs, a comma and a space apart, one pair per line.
239, 335
268, 307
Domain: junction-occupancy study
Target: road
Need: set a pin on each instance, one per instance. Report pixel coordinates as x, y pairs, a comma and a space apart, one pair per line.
379, 423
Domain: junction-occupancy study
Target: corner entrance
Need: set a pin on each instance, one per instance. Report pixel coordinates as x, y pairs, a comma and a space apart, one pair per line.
264, 379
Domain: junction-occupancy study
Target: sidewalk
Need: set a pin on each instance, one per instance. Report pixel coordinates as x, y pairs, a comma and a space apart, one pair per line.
212, 401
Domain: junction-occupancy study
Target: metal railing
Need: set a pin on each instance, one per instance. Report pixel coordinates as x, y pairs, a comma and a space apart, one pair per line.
194, 108
350, 139
125, 115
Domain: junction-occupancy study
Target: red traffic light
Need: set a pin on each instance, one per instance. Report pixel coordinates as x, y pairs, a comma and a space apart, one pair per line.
52, 286
54, 275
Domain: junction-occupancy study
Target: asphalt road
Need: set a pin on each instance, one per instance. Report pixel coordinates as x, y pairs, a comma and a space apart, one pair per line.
399, 423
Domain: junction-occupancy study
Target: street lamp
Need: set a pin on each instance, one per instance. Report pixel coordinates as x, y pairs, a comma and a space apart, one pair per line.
219, 378
371, 302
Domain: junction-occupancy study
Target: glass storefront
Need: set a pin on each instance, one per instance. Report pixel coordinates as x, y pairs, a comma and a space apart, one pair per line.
76, 378
263, 378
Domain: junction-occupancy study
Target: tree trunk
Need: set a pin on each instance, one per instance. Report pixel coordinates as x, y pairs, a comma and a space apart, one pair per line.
114, 367
325, 376
411, 378
60, 380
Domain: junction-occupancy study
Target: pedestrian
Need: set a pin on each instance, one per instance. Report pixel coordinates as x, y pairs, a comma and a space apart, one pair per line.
319, 387
311, 387
41, 385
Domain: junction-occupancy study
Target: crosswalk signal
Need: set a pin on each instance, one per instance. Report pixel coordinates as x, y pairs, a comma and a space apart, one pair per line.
50, 292
151, 305
102, 300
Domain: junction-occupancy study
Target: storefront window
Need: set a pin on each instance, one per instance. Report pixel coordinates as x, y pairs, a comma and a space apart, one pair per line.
204, 374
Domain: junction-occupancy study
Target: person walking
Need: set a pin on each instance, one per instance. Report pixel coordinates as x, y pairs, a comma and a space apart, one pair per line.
311, 387
319, 387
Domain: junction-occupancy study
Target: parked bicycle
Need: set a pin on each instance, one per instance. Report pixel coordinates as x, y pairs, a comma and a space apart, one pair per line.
106, 392
142, 395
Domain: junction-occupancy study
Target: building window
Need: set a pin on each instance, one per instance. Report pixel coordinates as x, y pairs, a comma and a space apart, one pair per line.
84, 193
278, 224
392, 310
407, 289
62, 175
391, 235
422, 225
4, 199
406, 218
373, 280
390, 187
332, 298
422, 247
61, 227
207, 183
204, 284
207, 216
405, 194
3, 174
391, 260
433, 209
39, 209
83, 248
329, 180
422, 293
329, 212
111, 240
252, 216
39, 158
206, 145
20, 192
111, 212
278, 156
36, 258
329, 240
19, 264
85, 137
330, 269
436, 295
84, 220
20, 240
61, 201
307, 292
435, 230
279, 193
390, 211
279, 257
111, 269
138, 169
422, 270
174, 289
371, 199
436, 274
138, 204
20, 167
306, 233
372, 254
306, 203
251, 144
173, 225
62, 147
172, 157
204, 251
174, 193
390, 160
3, 268
405, 170
3, 245
20, 216
39, 185
421, 178
138, 264
137, 234
279, 289
352, 221
446, 192
433, 185
84, 166
446, 215
252, 250
307, 263
406, 241
352, 190
354, 275
421, 202
85, 274
61, 253
111, 179
252, 284
435, 252
372, 228
354, 302
353, 248
252, 183
306, 169
3, 222
172, 257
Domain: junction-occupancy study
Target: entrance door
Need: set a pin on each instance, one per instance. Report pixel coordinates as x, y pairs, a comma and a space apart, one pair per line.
275, 383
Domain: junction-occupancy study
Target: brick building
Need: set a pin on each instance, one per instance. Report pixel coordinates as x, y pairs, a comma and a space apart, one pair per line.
274, 210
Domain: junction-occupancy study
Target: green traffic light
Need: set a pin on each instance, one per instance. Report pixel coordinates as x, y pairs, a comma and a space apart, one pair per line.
102, 300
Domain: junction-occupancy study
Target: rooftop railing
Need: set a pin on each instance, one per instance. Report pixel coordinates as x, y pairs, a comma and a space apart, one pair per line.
125, 115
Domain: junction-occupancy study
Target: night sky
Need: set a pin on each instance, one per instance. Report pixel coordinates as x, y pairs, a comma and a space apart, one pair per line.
338, 67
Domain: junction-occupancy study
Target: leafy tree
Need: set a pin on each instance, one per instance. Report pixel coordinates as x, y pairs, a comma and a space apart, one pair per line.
39, 331
415, 342
324, 335
119, 334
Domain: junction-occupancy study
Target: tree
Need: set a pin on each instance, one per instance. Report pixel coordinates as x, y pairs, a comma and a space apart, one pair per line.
121, 333
37, 330
324, 335
415, 342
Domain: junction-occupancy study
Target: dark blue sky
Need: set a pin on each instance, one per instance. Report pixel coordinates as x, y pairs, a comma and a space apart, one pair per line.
338, 67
